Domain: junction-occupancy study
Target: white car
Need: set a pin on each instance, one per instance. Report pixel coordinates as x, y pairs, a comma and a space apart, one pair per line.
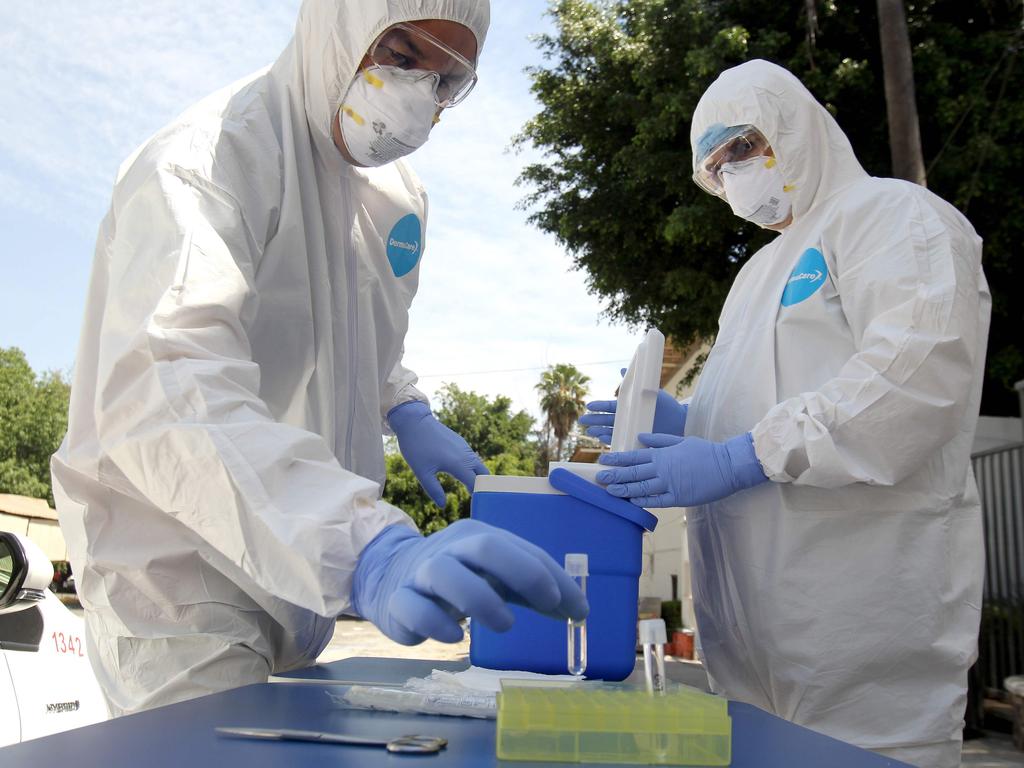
46, 683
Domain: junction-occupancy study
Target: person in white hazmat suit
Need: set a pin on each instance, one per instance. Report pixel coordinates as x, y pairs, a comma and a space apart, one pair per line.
835, 531
241, 356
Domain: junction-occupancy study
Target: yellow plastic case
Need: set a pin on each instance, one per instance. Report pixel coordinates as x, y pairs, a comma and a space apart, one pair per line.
600, 725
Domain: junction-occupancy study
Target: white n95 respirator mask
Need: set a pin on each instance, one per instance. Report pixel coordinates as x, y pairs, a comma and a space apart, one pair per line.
756, 191
386, 114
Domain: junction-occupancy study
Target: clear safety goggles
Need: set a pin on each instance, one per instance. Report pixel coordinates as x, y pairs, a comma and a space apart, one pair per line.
423, 56
742, 142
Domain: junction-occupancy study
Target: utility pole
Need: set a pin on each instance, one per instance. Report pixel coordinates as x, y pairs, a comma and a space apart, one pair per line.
900, 102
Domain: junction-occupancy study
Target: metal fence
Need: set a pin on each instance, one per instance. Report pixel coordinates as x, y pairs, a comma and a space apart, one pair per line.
1000, 476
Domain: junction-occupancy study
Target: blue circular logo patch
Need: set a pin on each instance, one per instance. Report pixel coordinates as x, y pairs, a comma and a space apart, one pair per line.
404, 244
806, 278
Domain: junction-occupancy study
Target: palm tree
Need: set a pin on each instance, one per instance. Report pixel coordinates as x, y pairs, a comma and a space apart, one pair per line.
562, 391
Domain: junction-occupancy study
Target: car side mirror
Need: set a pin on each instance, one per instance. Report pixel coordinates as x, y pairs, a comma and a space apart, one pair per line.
25, 573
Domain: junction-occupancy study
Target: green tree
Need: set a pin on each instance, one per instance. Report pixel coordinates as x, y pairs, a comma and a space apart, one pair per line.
563, 391
617, 92
33, 420
501, 438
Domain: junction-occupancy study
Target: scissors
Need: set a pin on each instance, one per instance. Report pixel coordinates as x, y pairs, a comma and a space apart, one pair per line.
408, 744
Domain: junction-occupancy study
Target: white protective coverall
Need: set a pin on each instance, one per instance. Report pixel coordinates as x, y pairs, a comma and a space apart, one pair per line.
845, 595
241, 346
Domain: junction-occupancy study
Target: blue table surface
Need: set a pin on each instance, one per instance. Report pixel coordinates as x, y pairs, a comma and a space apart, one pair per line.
182, 735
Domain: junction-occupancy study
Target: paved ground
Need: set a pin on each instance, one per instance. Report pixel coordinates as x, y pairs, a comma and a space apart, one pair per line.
353, 637
996, 750
360, 638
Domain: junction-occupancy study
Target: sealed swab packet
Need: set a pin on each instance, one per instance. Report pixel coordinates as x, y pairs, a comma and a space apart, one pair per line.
420, 702
470, 693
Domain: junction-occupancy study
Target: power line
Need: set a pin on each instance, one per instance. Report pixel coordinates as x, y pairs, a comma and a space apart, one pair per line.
517, 370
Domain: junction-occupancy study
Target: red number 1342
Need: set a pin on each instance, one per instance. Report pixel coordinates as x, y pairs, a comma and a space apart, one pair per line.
71, 644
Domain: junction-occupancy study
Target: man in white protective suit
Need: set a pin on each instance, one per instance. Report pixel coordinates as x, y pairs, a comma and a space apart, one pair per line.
835, 532
241, 357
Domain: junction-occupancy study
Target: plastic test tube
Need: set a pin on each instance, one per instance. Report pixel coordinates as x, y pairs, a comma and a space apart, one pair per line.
576, 566
653, 638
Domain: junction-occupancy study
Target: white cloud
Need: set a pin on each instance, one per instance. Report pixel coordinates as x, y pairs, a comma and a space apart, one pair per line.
85, 82
496, 306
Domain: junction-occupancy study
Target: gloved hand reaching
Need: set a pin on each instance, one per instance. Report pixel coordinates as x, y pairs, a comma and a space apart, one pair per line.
414, 587
669, 417
430, 447
682, 471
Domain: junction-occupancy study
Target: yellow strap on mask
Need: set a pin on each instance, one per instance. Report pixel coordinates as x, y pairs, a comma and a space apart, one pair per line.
353, 114
770, 163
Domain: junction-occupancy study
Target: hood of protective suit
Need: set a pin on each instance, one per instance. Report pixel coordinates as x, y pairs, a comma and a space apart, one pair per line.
332, 36
812, 151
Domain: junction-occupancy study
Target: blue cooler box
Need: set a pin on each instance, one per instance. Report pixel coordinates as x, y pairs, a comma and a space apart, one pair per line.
567, 514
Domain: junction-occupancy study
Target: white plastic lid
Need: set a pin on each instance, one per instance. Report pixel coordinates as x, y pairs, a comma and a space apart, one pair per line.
652, 631
513, 484
638, 393
576, 564
586, 470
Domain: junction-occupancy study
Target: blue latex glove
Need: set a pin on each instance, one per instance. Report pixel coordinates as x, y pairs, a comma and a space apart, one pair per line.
413, 587
682, 471
430, 447
669, 417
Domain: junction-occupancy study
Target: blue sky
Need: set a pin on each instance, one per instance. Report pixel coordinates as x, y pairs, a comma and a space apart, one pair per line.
85, 82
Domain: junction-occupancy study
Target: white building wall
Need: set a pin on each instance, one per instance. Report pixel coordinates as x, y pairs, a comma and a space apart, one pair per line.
674, 385
44, 532
995, 432
47, 534
665, 555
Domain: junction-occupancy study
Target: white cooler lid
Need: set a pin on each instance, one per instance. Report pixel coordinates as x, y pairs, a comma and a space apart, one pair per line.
638, 393
586, 470
513, 484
